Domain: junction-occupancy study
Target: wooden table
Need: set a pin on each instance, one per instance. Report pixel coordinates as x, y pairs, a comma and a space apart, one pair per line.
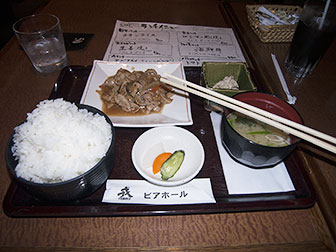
291, 230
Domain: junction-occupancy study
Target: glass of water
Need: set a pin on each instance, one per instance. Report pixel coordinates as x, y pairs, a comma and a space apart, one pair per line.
41, 38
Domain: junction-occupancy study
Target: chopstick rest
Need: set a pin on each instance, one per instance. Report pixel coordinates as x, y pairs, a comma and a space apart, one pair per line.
122, 191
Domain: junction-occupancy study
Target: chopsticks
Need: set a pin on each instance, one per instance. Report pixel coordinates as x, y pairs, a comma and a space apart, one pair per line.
276, 121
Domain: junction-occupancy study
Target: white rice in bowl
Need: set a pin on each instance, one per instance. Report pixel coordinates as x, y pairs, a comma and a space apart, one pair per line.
58, 142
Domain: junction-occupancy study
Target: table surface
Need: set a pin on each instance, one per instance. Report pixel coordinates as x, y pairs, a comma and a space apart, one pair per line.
22, 88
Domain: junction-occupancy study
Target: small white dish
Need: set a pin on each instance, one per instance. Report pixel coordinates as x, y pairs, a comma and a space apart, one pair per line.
168, 139
176, 113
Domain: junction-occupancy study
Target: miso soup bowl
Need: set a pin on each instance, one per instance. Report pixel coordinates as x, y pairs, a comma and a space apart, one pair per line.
248, 152
73, 189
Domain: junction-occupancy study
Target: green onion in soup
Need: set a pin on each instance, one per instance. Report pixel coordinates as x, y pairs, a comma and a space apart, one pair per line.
257, 131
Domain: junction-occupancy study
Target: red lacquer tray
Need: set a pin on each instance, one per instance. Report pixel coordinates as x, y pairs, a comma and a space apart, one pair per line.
70, 85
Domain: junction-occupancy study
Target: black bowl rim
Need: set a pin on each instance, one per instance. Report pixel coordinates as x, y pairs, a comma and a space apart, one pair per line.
298, 140
79, 177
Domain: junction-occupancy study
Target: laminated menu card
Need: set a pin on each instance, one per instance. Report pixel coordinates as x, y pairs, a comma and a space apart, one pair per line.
159, 42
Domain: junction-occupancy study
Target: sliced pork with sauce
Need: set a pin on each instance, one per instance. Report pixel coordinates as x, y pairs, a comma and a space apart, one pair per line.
137, 92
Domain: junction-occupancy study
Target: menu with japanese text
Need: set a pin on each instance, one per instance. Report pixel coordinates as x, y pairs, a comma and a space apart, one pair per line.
141, 42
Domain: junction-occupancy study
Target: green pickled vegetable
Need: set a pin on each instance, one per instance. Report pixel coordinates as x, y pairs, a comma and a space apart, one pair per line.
259, 132
172, 165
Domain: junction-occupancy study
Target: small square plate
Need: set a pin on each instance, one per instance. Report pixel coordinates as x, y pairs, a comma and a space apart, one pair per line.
176, 113
76, 41
213, 72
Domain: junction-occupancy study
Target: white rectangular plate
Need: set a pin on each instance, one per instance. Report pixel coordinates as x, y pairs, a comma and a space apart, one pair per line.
176, 113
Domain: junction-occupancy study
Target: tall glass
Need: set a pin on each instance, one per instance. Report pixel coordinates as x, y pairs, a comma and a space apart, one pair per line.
41, 38
313, 35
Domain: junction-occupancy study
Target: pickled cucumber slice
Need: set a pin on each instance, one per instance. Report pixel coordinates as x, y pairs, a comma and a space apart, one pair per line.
172, 164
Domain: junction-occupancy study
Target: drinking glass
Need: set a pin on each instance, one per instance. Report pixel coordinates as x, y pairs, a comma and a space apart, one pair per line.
313, 35
41, 38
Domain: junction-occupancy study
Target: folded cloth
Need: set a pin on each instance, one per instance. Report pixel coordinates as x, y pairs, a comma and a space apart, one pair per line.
197, 191
241, 179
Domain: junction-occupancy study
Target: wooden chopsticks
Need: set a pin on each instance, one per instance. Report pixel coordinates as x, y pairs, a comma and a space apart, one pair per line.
276, 121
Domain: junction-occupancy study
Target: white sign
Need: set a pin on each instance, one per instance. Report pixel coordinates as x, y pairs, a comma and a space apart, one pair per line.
197, 191
158, 42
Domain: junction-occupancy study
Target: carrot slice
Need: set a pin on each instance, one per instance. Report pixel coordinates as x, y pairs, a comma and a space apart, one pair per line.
159, 160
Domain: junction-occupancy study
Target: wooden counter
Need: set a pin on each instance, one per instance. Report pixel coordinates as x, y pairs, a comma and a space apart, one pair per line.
22, 88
